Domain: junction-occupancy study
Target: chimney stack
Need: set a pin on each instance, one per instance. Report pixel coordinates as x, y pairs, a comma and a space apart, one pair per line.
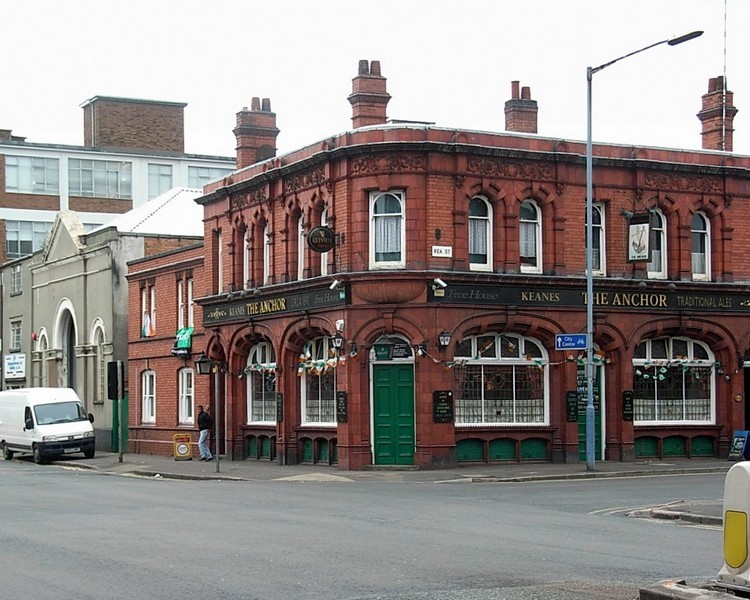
256, 133
717, 116
521, 111
369, 97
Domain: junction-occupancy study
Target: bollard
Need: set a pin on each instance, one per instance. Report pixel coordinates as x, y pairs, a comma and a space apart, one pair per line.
736, 570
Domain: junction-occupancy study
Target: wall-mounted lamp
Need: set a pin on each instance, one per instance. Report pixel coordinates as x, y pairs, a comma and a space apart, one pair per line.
337, 340
671, 287
444, 339
203, 365
628, 214
438, 283
335, 284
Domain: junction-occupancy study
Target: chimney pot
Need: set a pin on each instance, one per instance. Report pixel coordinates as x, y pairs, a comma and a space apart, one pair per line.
526, 93
521, 112
266, 105
364, 67
255, 103
514, 89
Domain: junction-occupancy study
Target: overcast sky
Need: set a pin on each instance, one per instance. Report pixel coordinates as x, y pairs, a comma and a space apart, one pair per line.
450, 62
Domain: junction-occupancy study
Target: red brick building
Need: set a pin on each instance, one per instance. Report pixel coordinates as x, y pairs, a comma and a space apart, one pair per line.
454, 270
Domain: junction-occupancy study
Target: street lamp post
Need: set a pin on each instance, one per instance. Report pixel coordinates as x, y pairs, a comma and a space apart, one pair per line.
204, 366
590, 413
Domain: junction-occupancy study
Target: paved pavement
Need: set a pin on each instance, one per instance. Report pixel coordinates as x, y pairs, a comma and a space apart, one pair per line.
145, 465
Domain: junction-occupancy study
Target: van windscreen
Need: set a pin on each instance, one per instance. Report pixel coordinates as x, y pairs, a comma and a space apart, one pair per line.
59, 412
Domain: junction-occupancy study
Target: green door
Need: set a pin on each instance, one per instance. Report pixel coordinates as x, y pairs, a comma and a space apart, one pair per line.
582, 402
393, 409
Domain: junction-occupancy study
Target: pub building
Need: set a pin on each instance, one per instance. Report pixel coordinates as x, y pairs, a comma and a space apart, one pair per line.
406, 294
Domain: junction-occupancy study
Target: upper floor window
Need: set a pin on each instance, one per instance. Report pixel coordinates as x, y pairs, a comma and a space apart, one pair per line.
261, 384
301, 247
219, 262
25, 237
480, 234
501, 379
246, 257
530, 238
148, 397
387, 230
148, 311
15, 336
324, 255
266, 241
200, 176
598, 254
185, 303
701, 247
15, 280
673, 382
100, 178
185, 395
657, 267
159, 179
32, 175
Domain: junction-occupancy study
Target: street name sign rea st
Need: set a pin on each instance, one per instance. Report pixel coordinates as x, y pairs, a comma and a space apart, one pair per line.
570, 341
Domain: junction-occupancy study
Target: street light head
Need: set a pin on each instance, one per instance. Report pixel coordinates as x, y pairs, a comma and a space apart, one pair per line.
684, 38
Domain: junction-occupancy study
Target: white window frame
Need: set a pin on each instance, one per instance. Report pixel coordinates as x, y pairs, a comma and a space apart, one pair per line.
381, 220
600, 240
301, 238
100, 386
200, 176
246, 258
657, 266
483, 352
16, 327
324, 255
159, 179
31, 233
32, 175
100, 178
148, 397
536, 226
190, 303
16, 280
478, 225
180, 304
266, 241
318, 350
702, 238
261, 374
186, 395
649, 368
219, 262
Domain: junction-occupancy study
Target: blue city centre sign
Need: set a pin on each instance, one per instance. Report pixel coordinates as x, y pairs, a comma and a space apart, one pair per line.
570, 341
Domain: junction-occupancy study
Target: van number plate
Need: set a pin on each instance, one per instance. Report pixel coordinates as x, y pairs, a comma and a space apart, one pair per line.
71, 450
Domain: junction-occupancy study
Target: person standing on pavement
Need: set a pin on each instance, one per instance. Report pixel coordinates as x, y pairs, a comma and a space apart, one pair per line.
204, 428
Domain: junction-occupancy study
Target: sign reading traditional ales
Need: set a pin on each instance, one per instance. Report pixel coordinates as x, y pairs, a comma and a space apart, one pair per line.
279, 407
321, 239
342, 407
442, 406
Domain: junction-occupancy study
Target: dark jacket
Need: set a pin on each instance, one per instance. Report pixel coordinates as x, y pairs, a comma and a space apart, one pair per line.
204, 421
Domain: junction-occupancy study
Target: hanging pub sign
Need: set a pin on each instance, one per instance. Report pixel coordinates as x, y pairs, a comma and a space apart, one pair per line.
321, 239
639, 236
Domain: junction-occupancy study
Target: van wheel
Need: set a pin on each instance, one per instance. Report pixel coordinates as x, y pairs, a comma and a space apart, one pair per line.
7, 453
89, 453
38, 458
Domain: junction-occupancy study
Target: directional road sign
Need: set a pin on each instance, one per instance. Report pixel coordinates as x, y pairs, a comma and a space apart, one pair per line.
570, 341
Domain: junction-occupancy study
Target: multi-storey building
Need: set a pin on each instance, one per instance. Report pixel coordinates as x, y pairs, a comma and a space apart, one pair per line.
407, 294
133, 151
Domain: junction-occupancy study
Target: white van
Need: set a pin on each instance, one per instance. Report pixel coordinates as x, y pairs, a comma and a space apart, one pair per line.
45, 422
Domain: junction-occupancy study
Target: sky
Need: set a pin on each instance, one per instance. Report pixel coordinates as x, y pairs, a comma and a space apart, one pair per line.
450, 62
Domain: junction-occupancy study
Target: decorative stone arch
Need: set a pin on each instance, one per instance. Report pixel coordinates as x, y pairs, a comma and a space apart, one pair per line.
40, 357
65, 341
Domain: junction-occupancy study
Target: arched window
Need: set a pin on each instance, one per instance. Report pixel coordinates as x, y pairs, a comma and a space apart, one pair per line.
261, 384
673, 382
148, 397
318, 382
301, 247
530, 237
266, 249
246, 254
701, 247
387, 231
599, 262
100, 366
186, 395
657, 267
480, 234
324, 255
501, 380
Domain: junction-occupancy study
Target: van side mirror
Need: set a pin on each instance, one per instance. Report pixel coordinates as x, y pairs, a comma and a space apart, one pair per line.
29, 424
91, 417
